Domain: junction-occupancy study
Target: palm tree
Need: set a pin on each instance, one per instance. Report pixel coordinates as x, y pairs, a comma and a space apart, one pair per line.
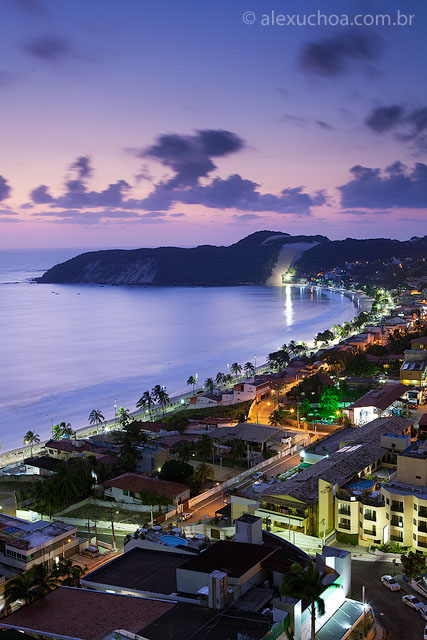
228, 378
236, 368
69, 572
19, 588
209, 384
219, 379
43, 580
96, 417
31, 438
62, 430
68, 432
123, 416
192, 381
163, 399
249, 368
238, 449
145, 401
204, 446
276, 418
305, 583
202, 474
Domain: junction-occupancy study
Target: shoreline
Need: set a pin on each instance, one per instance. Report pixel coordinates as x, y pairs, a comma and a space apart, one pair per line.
18, 454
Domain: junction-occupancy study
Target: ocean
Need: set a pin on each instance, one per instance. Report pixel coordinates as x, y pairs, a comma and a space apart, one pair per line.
68, 349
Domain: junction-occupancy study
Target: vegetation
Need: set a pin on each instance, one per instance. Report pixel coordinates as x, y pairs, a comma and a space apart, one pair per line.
129, 438
305, 583
31, 438
201, 475
176, 471
62, 430
96, 417
177, 421
414, 564
205, 446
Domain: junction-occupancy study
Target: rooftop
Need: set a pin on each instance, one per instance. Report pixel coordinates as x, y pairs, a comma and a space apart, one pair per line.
339, 467
381, 398
85, 614
234, 558
248, 431
136, 483
43, 462
29, 535
141, 570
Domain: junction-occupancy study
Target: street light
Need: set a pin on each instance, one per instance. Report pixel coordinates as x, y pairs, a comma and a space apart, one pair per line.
115, 410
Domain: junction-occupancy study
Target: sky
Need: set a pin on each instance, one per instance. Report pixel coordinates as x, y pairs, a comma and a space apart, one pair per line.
154, 122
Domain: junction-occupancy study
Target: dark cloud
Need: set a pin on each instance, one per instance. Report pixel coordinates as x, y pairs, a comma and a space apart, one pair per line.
336, 56
397, 186
49, 48
408, 124
177, 215
4, 189
82, 167
359, 212
190, 157
237, 193
324, 125
7, 212
385, 118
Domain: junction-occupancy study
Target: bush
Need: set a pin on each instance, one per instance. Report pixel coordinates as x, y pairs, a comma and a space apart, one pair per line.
176, 471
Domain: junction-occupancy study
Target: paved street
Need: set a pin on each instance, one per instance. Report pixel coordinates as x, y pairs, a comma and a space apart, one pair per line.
400, 622
211, 505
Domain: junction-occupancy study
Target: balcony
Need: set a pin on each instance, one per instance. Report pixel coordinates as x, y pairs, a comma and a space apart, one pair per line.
344, 525
371, 516
395, 522
397, 506
422, 512
397, 538
370, 532
344, 511
422, 528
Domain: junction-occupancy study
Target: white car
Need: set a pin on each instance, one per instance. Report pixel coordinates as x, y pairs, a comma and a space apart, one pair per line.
423, 612
257, 475
186, 516
413, 601
391, 583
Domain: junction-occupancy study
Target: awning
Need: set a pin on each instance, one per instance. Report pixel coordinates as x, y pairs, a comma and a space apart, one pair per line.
340, 624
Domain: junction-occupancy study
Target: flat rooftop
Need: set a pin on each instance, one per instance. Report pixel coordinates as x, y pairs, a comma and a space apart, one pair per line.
332, 443
248, 431
29, 535
85, 614
234, 558
141, 570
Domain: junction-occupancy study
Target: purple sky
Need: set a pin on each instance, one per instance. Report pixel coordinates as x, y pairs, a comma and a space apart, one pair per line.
152, 122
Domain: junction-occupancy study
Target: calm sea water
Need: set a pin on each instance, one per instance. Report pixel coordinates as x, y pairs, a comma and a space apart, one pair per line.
67, 349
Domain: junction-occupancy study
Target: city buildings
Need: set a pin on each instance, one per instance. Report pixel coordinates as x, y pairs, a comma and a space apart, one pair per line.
414, 368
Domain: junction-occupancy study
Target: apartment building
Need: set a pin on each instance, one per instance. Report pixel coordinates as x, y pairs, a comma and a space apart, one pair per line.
325, 498
24, 544
414, 368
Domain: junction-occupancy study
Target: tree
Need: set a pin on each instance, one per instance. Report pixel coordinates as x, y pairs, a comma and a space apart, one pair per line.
228, 378
209, 384
43, 580
219, 379
276, 418
306, 407
176, 471
160, 395
278, 359
185, 450
145, 401
59, 430
31, 438
202, 474
192, 381
204, 446
329, 401
249, 368
68, 572
305, 583
19, 588
68, 432
123, 416
238, 449
414, 564
96, 417
236, 368
129, 439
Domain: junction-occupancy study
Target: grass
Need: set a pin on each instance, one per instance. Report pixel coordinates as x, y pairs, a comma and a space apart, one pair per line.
103, 513
232, 412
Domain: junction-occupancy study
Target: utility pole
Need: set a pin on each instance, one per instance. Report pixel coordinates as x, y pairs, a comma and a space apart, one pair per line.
89, 537
94, 519
112, 530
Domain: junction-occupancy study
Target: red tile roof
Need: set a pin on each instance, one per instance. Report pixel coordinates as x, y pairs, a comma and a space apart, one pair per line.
85, 614
135, 483
381, 398
72, 446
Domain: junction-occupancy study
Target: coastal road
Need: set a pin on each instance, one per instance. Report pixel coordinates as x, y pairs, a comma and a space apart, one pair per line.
400, 622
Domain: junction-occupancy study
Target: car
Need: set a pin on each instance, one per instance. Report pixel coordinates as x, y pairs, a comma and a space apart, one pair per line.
186, 516
413, 601
257, 475
391, 583
423, 612
425, 632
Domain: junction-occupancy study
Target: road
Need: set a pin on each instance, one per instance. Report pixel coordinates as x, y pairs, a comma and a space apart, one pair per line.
400, 622
211, 505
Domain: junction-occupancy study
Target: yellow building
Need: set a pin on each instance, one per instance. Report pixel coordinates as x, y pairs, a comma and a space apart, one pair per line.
414, 369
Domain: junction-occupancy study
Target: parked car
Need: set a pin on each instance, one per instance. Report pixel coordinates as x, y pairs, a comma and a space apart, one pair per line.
425, 632
423, 612
413, 601
391, 583
257, 475
186, 515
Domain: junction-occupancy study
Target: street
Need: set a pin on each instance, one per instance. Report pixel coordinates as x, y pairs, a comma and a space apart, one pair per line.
400, 621
211, 505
